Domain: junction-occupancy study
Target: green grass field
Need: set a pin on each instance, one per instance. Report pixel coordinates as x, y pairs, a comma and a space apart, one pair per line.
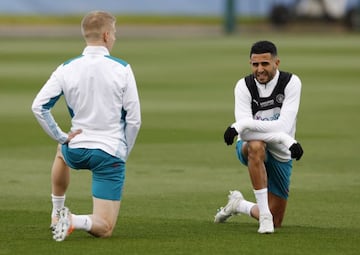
180, 170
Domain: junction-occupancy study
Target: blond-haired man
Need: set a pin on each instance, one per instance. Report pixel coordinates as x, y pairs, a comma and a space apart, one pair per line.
101, 94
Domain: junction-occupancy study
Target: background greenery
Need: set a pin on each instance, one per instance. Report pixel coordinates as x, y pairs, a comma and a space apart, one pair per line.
124, 19
180, 170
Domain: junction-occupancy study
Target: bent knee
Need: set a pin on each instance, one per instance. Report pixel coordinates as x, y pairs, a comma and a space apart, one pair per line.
105, 234
106, 231
256, 149
256, 146
102, 229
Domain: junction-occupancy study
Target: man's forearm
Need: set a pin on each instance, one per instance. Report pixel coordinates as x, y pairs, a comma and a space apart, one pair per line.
272, 137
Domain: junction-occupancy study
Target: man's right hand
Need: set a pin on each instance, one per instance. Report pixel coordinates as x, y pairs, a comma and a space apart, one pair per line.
229, 135
296, 151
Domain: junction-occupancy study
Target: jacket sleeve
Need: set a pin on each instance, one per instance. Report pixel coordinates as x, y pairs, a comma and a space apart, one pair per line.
42, 105
131, 104
271, 137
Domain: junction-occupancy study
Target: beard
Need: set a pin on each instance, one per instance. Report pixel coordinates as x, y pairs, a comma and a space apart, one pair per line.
264, 77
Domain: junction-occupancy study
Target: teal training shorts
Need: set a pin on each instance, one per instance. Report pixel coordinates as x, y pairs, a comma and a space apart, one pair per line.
278, 173
108, 172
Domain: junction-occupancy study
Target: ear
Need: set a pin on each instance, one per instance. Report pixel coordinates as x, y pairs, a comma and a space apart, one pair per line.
277, 61
106, 36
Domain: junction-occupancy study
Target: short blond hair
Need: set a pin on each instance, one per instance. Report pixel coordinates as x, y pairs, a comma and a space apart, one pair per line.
95, 23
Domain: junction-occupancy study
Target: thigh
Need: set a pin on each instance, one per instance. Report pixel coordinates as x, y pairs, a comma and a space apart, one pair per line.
76, 158
59, 161
241, 152
108, 175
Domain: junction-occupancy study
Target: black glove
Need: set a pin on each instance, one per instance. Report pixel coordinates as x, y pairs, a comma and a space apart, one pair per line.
296, 151
229, 135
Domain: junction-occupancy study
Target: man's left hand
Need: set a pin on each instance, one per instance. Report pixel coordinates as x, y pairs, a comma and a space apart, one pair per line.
296, 151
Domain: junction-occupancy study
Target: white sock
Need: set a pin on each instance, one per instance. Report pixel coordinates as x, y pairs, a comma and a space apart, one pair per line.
58, 202
245, 207
82, 222
261, 196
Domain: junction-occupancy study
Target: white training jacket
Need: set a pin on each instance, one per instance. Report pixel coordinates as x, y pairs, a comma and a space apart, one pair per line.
101, 94
267, 125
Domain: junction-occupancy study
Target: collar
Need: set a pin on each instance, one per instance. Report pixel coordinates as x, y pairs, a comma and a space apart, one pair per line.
96, 50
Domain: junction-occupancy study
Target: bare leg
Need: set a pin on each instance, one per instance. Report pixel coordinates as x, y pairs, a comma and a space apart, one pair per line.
104, 217
277, 205
105, 212
60, 174
256, 166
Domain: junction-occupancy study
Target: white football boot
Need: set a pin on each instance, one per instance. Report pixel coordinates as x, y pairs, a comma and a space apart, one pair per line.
223, 213
63, 227
266, 224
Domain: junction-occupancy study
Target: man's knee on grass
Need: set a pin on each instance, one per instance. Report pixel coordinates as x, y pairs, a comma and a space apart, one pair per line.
101, 227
